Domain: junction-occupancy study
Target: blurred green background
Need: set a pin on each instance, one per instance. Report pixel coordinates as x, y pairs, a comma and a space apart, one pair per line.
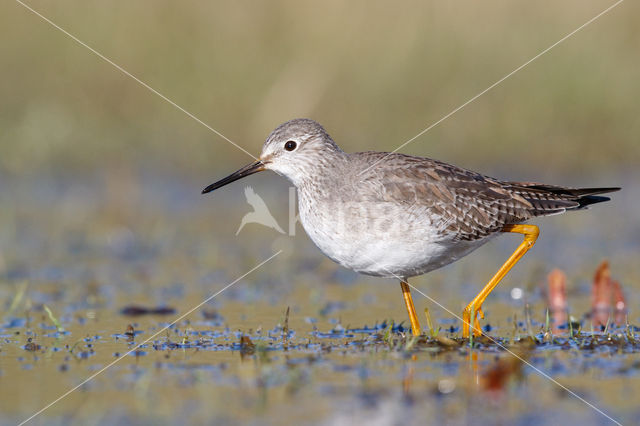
374, 75
100, 201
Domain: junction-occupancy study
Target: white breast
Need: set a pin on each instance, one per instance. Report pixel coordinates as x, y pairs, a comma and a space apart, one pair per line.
381, 239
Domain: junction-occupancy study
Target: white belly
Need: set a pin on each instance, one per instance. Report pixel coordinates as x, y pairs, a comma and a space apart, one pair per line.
381, 239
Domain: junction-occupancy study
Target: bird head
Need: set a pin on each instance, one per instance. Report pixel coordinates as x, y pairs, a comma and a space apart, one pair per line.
294, 149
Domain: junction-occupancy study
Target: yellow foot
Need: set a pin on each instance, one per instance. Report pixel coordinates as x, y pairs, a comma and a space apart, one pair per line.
466, 320
474, 308
411, 310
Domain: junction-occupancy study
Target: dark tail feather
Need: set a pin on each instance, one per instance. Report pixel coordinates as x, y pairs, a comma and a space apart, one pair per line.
587, 200
550, 199
585, 192
576, 192
587, 196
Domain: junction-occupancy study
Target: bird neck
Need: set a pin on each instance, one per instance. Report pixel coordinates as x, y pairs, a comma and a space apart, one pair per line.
324, 171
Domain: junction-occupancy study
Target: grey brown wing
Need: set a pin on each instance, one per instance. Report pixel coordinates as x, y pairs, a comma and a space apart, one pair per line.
467, 204
472, 205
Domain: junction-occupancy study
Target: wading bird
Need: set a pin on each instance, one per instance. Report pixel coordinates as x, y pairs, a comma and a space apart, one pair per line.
399, 216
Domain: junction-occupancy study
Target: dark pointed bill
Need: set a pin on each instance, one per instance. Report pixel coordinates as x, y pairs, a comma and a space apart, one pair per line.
247, 170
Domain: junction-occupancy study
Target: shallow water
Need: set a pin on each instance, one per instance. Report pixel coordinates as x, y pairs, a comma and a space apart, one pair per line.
87, 249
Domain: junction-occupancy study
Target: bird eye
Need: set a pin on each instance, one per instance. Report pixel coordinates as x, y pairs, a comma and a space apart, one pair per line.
290, 145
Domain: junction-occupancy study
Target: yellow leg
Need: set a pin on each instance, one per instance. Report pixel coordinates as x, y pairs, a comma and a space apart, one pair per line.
530, 233
406, 293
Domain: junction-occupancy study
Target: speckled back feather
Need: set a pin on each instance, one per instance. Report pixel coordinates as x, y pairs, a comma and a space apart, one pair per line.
471, 204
